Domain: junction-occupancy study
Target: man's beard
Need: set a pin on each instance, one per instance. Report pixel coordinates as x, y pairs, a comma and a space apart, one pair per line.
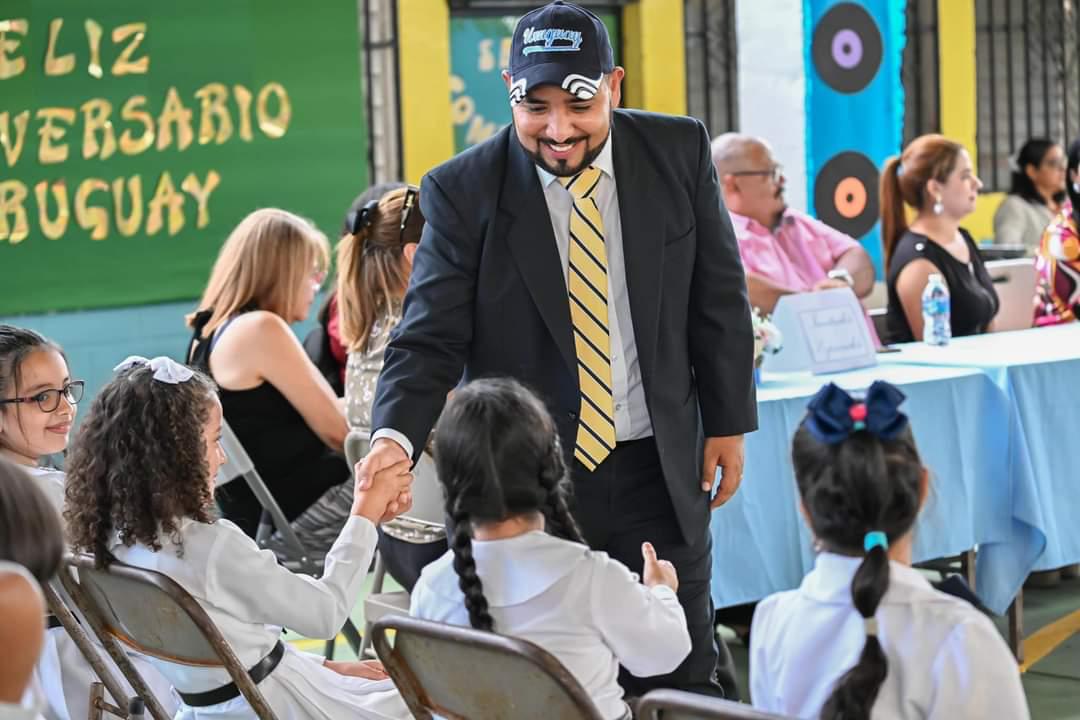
561, 168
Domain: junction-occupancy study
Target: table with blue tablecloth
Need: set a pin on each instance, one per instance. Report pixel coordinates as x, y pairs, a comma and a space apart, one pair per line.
983, 412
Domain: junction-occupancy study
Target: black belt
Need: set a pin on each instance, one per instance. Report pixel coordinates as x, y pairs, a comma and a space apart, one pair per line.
227, 692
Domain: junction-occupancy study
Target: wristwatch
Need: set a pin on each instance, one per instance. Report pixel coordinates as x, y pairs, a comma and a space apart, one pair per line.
842, 274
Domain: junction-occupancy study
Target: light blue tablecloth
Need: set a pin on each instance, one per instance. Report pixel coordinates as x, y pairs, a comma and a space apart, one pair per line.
982, 490
1038, 371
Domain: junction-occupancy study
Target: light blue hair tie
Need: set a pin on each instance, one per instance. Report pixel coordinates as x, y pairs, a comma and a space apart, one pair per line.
874, 539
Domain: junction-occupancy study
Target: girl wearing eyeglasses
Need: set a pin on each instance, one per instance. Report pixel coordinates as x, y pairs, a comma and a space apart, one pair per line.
38, 400
37, 404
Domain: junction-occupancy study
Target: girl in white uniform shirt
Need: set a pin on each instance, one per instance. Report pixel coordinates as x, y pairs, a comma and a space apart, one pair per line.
865, 635
37, 407
140, 484
499, 459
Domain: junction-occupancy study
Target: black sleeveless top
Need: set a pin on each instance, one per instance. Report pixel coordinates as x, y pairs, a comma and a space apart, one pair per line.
295, 464
973, 299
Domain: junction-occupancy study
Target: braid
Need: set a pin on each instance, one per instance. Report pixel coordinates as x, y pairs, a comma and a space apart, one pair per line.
468, 580
553, 478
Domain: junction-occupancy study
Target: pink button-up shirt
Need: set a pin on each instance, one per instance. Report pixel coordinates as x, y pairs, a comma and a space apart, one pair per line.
797, 256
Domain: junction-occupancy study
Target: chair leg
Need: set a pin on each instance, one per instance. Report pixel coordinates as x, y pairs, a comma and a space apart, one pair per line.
352, 636
328, 651
967, 567
1016, 626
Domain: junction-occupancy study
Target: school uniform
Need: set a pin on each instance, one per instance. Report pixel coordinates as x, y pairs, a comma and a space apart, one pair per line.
250, 597
584, 608
62, 673
946, 660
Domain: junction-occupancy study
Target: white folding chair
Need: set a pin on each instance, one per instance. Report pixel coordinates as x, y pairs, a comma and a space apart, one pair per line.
424, 523
1014, 281
296, 555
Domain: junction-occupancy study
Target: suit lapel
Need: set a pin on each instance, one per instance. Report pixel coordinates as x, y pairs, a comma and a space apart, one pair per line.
528, 232
642, 238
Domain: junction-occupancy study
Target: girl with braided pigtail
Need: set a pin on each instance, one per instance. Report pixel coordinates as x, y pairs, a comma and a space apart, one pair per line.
518, 563
866, 636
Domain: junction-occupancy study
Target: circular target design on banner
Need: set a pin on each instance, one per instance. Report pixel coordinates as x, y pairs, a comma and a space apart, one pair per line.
846, 193
847, 48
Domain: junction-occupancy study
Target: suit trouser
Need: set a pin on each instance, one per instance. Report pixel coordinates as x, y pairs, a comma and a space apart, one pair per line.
624, 503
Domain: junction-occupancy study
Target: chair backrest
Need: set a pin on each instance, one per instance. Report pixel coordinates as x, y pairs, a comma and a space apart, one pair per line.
679, 705
152, 614
1014, 281
879, 316
464, 674
428, 504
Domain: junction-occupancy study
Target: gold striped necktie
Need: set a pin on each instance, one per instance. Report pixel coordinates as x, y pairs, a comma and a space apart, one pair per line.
588, 284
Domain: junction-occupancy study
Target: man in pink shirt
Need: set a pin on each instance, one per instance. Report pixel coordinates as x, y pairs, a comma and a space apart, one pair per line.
783, 251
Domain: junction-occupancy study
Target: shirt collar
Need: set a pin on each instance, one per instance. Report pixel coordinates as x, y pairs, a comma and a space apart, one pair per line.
743, 223
602, 161
830, 580
513, 570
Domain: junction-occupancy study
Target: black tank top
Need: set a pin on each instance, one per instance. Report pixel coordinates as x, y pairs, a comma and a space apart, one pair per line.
973, 299
294, 463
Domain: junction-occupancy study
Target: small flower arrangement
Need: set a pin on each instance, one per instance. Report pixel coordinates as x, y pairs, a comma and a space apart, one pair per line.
767, 337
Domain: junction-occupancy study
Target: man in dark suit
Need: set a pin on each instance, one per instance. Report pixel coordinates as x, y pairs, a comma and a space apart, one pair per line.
584, 250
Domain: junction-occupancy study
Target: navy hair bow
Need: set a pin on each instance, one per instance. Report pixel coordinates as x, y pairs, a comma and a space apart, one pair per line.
833, 415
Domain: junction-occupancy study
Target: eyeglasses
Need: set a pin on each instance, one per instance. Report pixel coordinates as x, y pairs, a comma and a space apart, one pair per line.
411, 193
49, 400
775, 173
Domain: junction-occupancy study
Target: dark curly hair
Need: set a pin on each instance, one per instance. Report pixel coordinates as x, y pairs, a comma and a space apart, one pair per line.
138, 465
498, 455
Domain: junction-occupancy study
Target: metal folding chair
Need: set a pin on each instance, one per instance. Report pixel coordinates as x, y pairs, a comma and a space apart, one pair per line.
297, 556
464, 674
424, 523
152, 614
59, 607
679, 705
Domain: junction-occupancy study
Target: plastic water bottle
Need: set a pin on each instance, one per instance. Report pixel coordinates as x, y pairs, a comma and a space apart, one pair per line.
937, 328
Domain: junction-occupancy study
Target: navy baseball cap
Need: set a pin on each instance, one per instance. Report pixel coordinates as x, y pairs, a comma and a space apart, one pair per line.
559, 44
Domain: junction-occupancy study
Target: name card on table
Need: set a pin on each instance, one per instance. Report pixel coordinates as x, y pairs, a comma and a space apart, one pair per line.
823, 332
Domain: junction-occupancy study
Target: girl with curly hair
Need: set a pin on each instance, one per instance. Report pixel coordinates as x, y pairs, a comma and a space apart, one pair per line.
140, 491
500, 462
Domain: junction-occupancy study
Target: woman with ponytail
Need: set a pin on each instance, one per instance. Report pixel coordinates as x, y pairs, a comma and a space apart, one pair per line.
865, 635
935, 177
509, 570
374, 262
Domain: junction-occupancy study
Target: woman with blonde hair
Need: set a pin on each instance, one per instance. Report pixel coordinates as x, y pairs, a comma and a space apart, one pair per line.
933, 175
275, 400
374, 262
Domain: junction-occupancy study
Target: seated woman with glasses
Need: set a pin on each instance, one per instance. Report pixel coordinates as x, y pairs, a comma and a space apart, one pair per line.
374, 261
276, 401
1036, 195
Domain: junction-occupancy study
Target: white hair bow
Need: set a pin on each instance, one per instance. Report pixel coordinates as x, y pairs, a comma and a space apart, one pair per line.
165, 369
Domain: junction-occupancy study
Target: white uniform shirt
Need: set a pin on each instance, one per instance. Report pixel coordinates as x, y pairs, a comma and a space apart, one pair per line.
586, 609
946, 659
249, 596
51, 482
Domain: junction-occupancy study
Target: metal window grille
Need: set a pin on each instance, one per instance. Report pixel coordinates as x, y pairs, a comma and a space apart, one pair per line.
920, 74
1028, 79
712, 87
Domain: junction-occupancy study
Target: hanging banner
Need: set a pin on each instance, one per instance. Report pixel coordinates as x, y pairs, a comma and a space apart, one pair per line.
134, 136
854, 110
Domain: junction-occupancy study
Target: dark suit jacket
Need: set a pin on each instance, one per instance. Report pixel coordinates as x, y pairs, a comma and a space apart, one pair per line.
488, 296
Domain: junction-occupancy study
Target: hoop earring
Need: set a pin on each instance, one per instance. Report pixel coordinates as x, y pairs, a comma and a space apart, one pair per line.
939, 207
